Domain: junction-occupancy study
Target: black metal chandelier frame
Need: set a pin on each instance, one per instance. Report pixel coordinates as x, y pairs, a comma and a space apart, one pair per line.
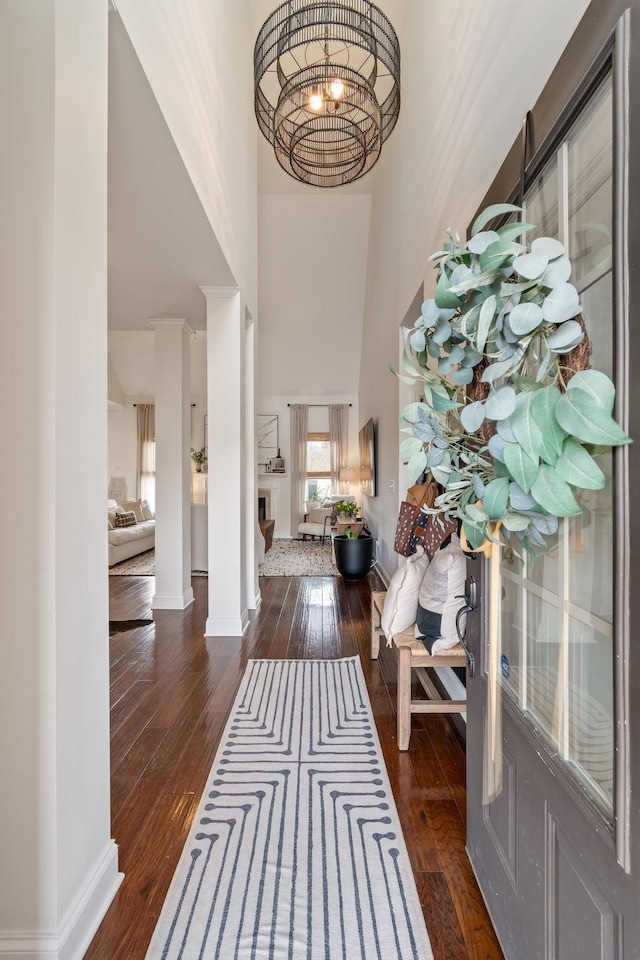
327, 125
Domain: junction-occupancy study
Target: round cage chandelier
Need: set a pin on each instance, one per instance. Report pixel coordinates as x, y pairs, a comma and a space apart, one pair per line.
327, 87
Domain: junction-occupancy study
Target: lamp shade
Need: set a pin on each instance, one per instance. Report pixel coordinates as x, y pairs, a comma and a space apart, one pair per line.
349, 474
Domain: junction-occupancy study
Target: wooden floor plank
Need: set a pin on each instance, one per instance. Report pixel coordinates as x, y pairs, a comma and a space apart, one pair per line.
172, 690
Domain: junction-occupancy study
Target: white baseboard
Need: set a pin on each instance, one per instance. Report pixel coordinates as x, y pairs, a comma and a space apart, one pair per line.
255, 602
231, 627
173, 601
79, 925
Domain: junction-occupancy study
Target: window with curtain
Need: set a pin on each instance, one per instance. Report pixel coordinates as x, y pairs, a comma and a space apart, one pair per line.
318, 480
146, 467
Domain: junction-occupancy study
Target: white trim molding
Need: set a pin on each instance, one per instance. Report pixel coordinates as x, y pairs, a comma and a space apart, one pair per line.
173, 601
79, 926
220, 293
234, 627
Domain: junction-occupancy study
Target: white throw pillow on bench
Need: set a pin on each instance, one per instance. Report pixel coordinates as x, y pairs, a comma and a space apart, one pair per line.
441, 597
401, 601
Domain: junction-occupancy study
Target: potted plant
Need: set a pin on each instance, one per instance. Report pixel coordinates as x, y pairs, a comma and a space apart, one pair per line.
512, 419
353, 553
346, 510
199, 458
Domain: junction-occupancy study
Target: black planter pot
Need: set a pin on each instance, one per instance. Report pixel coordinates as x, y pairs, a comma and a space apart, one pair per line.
353, 557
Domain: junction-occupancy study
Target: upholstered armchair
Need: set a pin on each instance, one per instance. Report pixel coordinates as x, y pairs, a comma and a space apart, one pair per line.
317, 521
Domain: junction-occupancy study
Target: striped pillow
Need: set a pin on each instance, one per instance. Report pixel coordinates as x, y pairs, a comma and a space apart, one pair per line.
126, 519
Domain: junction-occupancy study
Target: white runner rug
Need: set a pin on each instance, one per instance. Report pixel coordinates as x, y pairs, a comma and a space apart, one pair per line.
296, 851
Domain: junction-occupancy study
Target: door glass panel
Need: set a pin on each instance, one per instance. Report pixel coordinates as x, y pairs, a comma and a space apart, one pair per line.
543, 663
557, 614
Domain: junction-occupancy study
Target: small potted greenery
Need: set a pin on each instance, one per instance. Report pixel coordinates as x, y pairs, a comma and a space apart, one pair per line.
346, 510
199, 458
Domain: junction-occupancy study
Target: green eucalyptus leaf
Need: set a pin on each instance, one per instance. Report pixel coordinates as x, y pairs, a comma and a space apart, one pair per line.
504, 429
476, 513
418, 340
561, 304
582, 417
525, 317
475, 534
472, 357
444, 298
479, 243
565, 337
459, 274
515, 521
511, 231
531, 265
543, 411
496, 447
517, 289
557, 273
443, 404
410, 446
520, 500
457, 354
442, 331
462, 376
500, 403
521, 466
411, 413
430, 312
545, 364
487, 314
525, 428
495, 498
597, 385
472, 416
416, 465
432, 348
434, 457
490, 213
476, 282
444, 366
548, 247
554, 494
440, 474
576, 467
499, 254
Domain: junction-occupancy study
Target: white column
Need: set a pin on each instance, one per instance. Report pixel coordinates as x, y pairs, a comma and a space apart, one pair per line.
226, 398
250, 473
173, 471
58, 865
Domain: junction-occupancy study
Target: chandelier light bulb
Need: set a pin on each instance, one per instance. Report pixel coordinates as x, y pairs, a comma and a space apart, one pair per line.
315, 102
337, 89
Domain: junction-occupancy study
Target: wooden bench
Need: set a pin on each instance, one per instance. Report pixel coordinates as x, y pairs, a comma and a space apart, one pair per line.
411, 655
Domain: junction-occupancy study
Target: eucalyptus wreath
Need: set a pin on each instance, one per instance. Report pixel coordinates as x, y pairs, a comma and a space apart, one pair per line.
512, 417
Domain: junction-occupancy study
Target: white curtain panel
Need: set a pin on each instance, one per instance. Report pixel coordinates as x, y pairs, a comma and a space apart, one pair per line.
146, 465
338, 443
299, 418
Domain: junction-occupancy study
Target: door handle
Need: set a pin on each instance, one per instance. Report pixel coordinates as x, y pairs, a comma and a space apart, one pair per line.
470, 602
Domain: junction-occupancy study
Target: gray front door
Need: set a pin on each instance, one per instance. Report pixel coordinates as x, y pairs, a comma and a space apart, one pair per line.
555, 849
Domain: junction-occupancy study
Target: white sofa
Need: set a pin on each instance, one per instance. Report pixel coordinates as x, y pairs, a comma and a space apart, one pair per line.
125, 542
317, 522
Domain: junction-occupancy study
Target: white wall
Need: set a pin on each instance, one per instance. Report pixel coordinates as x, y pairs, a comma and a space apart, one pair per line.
197, 58
59, 867
470, 73
313, 263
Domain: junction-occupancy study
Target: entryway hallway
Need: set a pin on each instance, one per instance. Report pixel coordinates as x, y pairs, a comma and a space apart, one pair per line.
171, 690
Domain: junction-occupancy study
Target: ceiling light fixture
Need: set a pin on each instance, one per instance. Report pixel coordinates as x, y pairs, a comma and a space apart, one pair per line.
327, 87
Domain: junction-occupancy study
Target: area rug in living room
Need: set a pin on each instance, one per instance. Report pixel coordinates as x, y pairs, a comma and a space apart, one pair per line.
296, 849
143, 565
298, 558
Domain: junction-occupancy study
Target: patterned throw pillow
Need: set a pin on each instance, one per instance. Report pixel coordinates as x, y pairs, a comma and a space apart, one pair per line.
126, 519
441, 597
134, 506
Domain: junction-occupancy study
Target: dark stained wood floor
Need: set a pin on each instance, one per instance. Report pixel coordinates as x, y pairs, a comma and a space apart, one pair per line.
171, 691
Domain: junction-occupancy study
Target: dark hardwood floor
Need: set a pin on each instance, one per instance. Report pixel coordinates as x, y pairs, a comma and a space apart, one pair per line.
171, 690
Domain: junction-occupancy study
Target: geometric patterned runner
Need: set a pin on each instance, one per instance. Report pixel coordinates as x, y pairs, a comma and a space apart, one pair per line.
296, 851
